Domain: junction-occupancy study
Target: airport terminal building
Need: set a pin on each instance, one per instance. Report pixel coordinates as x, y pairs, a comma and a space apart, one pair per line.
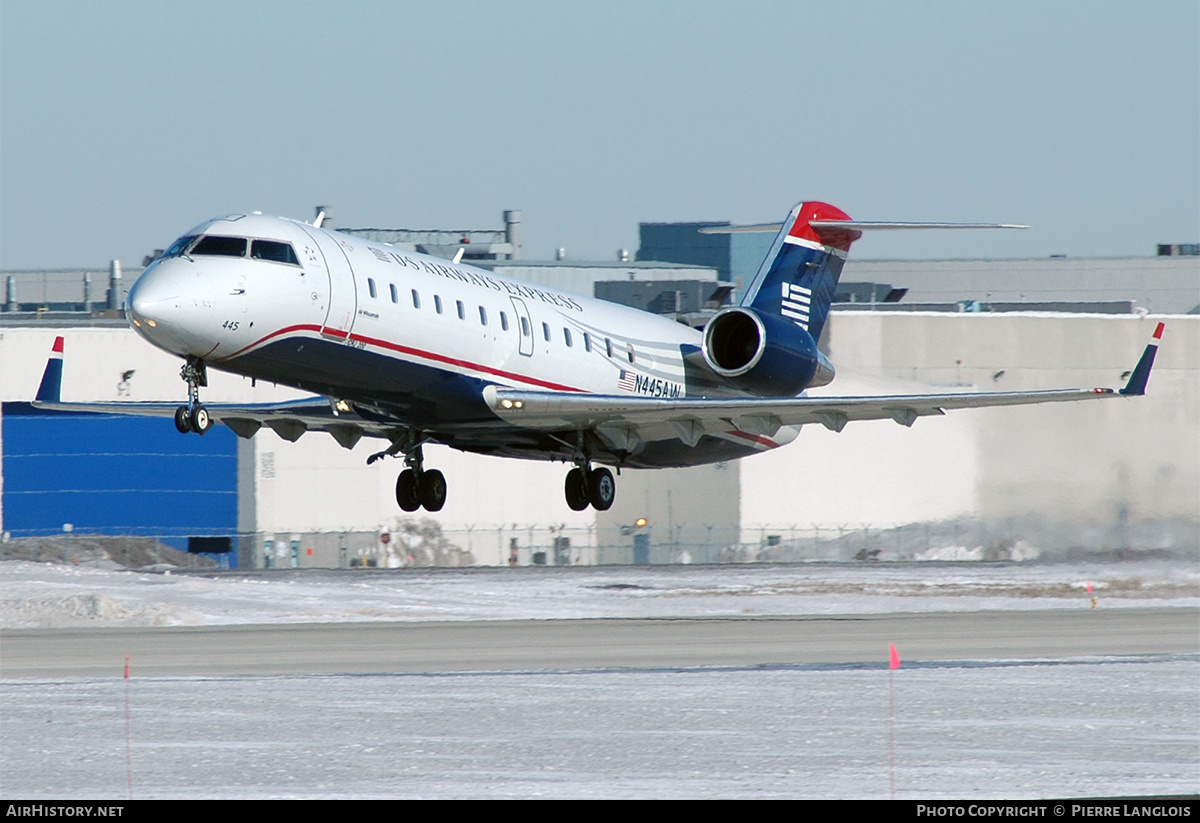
1123, 474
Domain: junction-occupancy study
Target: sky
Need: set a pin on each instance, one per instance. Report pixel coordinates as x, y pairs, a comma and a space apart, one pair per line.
123, 124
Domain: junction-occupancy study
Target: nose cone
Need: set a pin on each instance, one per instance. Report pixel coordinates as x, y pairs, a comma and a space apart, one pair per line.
169, 305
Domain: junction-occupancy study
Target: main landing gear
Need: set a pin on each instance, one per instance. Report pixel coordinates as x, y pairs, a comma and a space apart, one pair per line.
193, 417
586, 486
416, 487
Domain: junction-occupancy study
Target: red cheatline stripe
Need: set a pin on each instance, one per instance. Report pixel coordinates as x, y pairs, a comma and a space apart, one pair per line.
754, 438
440, 358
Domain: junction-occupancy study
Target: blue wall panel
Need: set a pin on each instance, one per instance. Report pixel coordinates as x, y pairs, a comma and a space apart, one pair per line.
112, 474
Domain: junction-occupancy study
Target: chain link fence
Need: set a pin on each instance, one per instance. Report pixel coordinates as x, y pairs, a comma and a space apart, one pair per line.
416, 543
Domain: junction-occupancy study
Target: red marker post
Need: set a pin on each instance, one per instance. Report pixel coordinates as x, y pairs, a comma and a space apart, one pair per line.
893, 664
128, 742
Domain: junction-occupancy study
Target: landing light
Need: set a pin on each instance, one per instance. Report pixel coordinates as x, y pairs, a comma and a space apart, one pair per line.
506, 404
150, 323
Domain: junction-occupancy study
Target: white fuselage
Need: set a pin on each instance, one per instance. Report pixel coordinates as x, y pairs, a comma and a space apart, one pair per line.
412, 335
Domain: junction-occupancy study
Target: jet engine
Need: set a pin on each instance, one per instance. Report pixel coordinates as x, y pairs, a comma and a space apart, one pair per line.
763, 354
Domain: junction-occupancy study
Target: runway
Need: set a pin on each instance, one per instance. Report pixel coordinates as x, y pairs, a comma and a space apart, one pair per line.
607, 683
557, 645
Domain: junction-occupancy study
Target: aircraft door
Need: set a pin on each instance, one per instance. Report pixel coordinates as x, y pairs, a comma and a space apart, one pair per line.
524, 326
343, 296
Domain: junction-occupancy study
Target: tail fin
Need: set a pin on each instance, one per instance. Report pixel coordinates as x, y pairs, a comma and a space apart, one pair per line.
50, 391
800, 274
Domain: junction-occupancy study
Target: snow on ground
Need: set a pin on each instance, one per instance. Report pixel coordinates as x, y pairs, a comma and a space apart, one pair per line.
45, 595
1027, 730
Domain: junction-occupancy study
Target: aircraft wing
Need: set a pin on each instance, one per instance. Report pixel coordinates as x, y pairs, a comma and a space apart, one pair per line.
625, 419
289, 419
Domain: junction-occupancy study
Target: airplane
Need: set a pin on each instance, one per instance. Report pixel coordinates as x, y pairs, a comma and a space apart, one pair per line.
415, 349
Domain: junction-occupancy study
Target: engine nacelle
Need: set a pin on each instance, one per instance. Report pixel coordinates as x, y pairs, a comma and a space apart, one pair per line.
763, 354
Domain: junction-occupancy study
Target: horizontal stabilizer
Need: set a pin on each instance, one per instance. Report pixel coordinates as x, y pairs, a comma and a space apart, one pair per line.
871, 225
856, 225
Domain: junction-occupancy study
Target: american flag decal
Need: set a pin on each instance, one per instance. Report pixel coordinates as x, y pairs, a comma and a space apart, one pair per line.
796, 302
628, 381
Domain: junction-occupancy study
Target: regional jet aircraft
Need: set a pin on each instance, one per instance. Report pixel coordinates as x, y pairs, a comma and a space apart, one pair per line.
415, 349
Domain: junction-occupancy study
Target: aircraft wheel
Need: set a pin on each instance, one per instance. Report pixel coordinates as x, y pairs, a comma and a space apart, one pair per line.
183, 421
602, 489
433, 490
576, 489
406, 491
201, 422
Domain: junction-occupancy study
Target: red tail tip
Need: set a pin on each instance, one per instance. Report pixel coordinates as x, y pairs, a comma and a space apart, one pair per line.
1158, 331
58, 345
837, 238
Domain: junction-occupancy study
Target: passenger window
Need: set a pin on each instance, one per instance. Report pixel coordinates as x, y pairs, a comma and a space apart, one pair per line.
416, 299
437, 303
371, 286
395, 295
482, 316
587, 342
567, 336
524, 327
629, 351
274, 251
503, 321
608, 347
546, 331
462, 312
221, 246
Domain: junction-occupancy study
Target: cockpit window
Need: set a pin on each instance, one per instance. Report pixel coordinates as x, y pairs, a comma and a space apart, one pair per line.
211, 244
274, 251
180, 246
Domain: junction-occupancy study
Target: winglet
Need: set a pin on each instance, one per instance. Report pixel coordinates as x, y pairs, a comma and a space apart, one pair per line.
50, 391
1141, 372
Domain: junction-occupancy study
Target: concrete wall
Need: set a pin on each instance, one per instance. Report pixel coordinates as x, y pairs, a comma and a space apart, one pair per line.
1158, 284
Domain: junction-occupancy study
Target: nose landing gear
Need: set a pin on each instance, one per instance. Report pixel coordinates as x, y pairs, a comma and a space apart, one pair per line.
193, 417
